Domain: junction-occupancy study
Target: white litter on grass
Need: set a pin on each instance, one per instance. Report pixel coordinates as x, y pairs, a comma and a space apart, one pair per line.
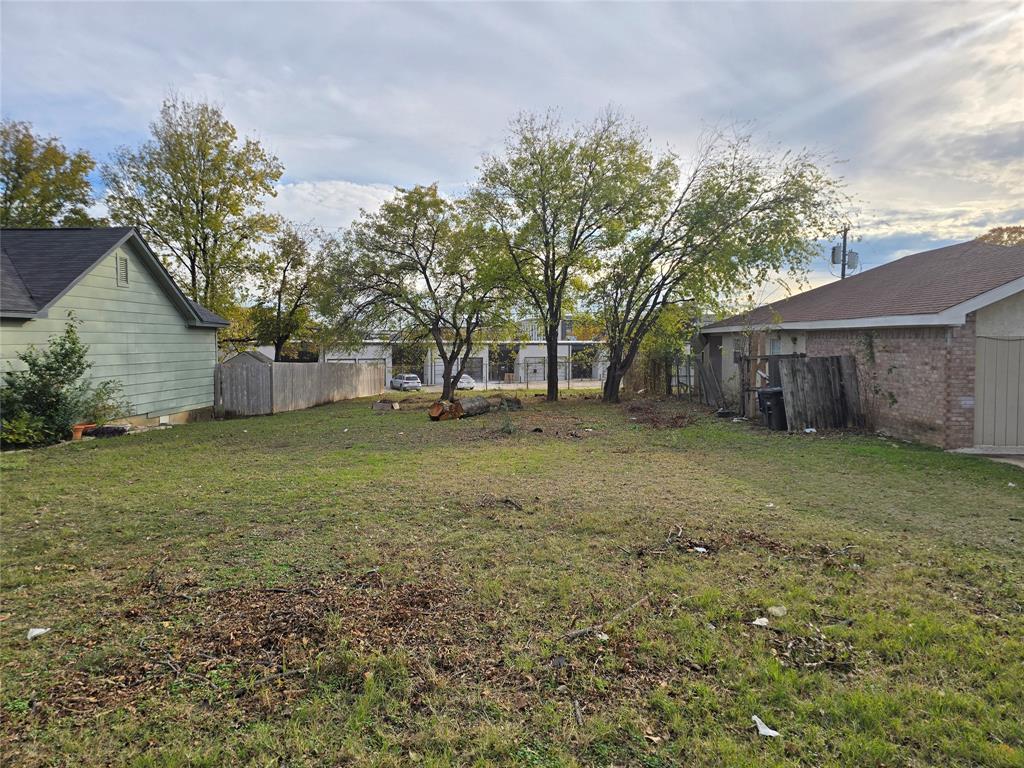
345, 429
810, 430
1012, 484
701, 550
601, 636
760, 622
769, 505
37, 632
762, 729
778, 611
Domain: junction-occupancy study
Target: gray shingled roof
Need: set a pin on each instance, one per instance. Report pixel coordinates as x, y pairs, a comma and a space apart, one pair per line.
38, 265
14, 296
49, 260
920, 284
206, 315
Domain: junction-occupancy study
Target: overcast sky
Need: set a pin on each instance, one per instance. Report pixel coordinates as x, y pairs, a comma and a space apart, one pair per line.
923, 102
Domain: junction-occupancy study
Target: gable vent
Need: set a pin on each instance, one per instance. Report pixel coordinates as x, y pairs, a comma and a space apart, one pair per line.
122, 270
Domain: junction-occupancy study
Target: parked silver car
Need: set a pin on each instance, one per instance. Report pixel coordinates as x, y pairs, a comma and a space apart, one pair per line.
406, 381
466, 382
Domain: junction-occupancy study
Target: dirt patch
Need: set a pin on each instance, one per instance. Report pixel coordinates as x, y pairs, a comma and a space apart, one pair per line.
259, 646
489, 501
813, 650
710, 543
658, 414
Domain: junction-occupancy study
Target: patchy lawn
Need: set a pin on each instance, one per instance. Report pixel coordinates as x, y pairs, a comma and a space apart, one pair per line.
339, 586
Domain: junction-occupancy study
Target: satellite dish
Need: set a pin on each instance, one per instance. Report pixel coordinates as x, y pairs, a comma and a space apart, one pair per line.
852, 259
837, 254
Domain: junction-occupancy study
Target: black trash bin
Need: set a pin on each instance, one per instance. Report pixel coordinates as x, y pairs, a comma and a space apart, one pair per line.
772, 407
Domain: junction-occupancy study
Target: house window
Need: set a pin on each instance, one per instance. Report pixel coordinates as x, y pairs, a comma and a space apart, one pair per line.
775, 346
122, 270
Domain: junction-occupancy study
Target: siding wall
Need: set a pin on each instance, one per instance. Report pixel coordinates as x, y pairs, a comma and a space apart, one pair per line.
135, 335
999, 378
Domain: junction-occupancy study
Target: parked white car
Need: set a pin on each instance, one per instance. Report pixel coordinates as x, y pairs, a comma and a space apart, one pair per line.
404, 382
466, 382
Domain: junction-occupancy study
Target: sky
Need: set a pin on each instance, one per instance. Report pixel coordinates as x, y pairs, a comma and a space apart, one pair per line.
921, 104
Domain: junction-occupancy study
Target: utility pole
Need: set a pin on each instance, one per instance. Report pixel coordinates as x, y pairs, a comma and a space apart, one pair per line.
843, 257
842, 274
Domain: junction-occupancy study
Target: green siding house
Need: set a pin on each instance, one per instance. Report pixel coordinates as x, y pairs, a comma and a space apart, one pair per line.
140, 328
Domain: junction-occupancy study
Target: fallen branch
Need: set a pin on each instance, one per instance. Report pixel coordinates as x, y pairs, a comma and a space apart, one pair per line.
577, 713
597, 628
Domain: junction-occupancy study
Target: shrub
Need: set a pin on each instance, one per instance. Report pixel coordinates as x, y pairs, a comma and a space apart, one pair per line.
21, 430
39, 404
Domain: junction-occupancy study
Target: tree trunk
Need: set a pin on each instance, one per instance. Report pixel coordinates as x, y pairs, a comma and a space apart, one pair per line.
612, 385
551, 339
278, 346
447, 385
613, 378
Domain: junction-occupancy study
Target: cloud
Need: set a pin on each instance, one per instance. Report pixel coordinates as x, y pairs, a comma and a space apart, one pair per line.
332, 204
923, 102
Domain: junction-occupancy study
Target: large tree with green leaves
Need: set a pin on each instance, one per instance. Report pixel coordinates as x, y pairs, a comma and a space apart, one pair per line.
737, 216
42, 184
420, 267
291, 277
557, 198
196, 192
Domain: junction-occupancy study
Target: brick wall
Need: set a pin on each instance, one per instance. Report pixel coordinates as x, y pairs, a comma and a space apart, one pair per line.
921, 383
960, 355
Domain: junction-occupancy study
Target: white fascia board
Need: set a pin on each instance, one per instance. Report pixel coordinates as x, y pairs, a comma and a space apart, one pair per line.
955, 315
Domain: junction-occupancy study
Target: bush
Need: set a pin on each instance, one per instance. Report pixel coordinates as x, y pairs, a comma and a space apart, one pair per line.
39, 404
22, 430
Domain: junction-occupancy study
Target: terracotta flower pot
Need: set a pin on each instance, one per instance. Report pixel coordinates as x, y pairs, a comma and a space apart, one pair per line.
78, 429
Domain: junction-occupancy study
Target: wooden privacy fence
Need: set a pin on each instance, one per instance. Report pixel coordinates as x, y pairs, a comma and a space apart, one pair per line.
251, 384
821, 392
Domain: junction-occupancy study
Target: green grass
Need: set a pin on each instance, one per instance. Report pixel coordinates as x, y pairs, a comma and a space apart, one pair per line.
280, 591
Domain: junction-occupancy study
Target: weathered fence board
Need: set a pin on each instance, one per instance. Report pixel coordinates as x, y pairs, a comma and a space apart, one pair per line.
821, 392
256, 387
710, 389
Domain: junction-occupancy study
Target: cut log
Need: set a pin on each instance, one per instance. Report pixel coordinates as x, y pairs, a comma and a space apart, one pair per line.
444, 410
506, 403
474, 406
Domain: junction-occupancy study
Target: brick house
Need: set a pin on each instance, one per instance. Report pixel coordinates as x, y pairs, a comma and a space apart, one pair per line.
938, 336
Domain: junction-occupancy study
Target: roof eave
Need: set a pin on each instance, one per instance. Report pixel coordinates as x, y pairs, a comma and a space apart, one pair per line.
951, 316
209, 324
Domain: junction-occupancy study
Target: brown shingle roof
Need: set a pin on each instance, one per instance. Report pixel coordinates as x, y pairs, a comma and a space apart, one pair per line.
919, 284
